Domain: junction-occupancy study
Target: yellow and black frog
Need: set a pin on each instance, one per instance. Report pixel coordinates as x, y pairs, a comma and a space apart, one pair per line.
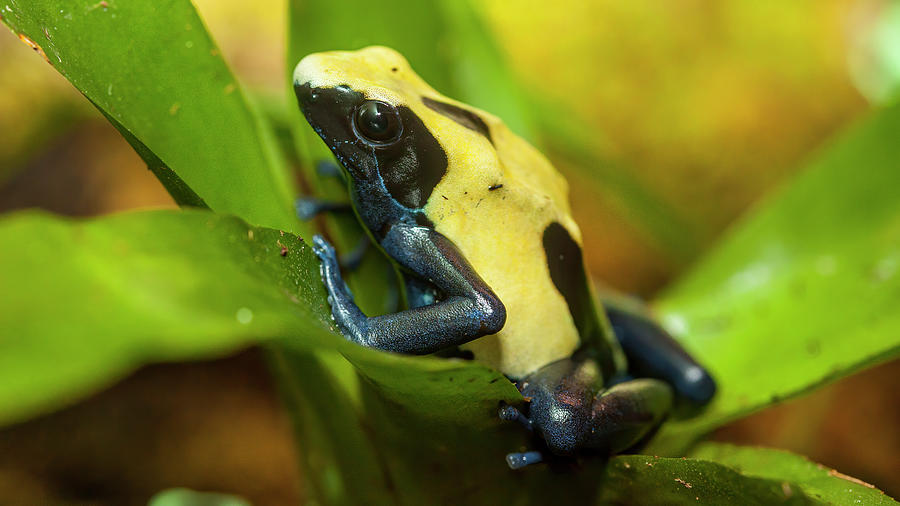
478, 223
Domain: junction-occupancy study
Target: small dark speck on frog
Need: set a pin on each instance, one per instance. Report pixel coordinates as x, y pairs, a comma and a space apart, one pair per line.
284, 250
495, 187
393, 69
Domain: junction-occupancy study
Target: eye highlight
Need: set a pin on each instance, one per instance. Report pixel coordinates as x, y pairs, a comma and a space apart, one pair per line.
377, 122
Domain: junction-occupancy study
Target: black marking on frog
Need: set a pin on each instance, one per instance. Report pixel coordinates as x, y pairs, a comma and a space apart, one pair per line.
566, 265
415, 165
390, 183
462, 116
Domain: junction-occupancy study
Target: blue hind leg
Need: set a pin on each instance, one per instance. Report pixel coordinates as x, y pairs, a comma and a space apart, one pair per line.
654, 353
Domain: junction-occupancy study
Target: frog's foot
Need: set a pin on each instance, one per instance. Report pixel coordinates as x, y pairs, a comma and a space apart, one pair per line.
510, 414
327, 256
519, 460
308, 208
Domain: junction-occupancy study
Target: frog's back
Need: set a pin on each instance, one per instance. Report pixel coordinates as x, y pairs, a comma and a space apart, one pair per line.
506, 207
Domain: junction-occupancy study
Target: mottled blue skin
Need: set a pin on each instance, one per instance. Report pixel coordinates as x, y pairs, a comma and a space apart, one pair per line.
572, 407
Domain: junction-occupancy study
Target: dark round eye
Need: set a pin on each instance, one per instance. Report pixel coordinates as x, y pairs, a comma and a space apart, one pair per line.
377, 122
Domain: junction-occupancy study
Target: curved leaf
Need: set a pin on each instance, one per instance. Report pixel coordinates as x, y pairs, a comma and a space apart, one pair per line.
84, 302
87, 301
803, 291
817, 481
152, 69
187, 497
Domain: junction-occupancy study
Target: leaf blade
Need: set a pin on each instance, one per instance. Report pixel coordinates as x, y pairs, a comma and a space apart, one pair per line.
804, 290
87, 301
154, 71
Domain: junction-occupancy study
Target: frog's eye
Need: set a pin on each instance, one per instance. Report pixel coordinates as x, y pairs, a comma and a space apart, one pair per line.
377, 122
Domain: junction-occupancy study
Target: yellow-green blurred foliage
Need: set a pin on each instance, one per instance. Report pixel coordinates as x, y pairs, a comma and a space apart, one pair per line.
707, 103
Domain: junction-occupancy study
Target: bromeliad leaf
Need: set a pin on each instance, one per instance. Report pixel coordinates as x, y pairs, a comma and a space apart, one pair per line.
804, 290
87, 301
84, 302
817, 481
153, 71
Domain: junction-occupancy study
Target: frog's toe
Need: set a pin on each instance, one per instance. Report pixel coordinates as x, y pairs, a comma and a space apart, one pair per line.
511, 414
508, 413
519, 460
323, 249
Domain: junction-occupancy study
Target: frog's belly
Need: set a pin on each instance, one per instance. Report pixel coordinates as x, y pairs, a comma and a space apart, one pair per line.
505, 246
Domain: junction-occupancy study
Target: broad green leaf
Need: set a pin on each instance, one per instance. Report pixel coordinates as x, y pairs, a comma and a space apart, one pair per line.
805, 289
817, 481
187, 497
152, 69
84, 302
87, 301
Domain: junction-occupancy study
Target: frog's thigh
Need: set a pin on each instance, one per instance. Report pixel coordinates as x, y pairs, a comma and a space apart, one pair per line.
623, 414
571, 416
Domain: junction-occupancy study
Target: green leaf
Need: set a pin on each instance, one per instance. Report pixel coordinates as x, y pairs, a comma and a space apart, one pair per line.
640, 479
186, 497
85, 302
152, 69
804, 290
317, 25
817, 481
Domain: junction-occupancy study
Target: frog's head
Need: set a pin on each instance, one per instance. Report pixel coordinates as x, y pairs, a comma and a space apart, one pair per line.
380, 120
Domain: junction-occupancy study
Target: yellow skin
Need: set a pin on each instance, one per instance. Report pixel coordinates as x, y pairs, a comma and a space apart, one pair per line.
498, 231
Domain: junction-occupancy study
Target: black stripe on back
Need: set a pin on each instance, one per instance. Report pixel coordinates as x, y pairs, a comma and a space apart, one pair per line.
566, 264
462, 116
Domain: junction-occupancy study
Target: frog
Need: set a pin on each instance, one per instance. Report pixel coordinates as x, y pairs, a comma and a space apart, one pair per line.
478, 223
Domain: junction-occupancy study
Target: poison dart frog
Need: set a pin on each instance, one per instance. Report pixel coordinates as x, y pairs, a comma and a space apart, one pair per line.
478, 223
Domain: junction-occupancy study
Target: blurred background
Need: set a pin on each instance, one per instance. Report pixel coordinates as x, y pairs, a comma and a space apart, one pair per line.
700, 107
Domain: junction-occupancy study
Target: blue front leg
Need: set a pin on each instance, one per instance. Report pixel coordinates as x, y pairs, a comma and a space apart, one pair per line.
469, 310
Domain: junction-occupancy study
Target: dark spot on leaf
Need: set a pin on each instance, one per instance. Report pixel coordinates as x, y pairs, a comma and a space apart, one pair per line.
813, 347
